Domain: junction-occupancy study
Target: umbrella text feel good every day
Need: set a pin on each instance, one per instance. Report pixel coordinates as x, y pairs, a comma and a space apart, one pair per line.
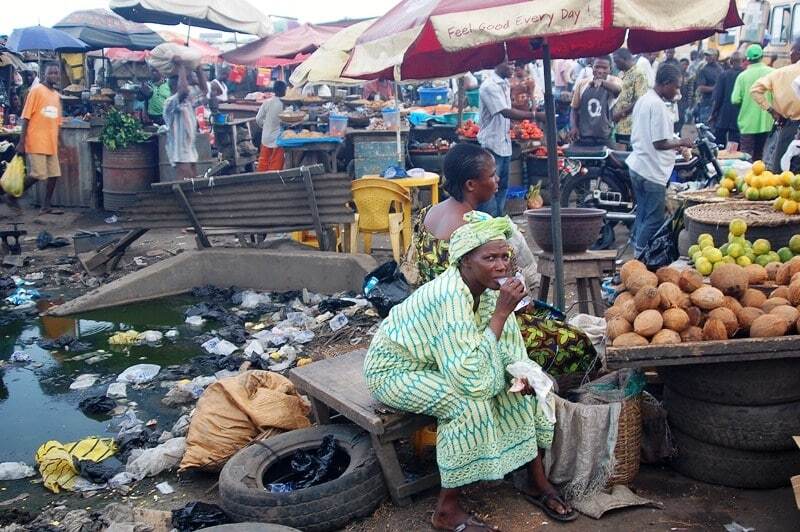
567, 17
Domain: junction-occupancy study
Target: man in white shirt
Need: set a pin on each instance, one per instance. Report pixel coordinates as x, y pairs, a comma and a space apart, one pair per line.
496, 114
646, 63
653, 158
271, 156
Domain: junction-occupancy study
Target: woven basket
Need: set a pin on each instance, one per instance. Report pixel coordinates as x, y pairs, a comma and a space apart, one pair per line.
628, 450
762, 221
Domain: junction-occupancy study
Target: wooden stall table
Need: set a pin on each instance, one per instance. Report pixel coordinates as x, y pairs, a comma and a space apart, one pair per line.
228, 139
324, 152
586, 268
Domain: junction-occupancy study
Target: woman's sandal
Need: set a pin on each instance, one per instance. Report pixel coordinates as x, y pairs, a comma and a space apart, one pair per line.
541, 502
472, 521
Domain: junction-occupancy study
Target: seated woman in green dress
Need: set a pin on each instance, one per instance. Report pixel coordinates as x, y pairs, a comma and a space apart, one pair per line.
470, 180
443, 352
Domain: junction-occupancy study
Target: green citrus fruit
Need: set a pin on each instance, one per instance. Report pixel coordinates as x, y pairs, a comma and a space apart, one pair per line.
735, 250
743, 261
773, 257
762, 260
694, 248
794, 244
761, 246
785, 254
712, 254
785, 192
753, 194
777, 205
737, 227
704, 266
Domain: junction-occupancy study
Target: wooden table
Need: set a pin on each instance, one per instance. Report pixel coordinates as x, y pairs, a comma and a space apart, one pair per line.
586, 268
326, 151
227, 136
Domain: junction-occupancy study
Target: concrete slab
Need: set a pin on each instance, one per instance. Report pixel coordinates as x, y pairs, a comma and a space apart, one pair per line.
256, 269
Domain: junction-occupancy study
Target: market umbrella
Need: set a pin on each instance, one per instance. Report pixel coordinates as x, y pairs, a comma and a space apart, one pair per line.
302, 39
208, 54
222, 15
325, 65
102, 28
42, 39
435, 38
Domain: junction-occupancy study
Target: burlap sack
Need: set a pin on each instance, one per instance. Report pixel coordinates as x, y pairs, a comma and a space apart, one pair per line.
234, 411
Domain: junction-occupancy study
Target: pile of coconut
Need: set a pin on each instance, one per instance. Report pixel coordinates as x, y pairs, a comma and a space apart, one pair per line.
672, 306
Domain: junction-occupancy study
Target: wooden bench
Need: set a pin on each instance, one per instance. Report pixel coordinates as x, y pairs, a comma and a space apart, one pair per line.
337, 384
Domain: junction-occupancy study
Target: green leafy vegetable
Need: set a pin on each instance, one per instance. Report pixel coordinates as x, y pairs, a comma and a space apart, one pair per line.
122, 130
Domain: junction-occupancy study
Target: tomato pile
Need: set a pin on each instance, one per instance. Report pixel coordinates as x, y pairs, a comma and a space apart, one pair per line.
541, 151
526, 130
469, 130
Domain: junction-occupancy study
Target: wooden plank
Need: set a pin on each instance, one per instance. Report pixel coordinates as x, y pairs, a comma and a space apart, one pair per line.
736, 350
187, 207
324, 244
198, 184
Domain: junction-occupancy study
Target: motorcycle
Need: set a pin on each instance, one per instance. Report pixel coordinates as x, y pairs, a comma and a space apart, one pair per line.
603, 181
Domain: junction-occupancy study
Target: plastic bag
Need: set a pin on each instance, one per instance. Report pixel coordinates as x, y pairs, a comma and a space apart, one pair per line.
139, 374
792, 151
614, 387
309, 467
663, 247
99, 472
386, 287
46, 240
538, 380
151, 462
15, 470
56, 460
13, 180
163, 57
218, 346
97, 405
198, 515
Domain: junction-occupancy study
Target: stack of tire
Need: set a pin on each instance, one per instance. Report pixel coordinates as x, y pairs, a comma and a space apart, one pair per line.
319, 508
733, 422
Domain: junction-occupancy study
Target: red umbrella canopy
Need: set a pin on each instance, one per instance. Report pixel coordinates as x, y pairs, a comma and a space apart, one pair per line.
302, 39
421, 39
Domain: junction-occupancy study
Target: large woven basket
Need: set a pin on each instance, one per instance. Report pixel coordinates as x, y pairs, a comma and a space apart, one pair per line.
762, 221
627, 452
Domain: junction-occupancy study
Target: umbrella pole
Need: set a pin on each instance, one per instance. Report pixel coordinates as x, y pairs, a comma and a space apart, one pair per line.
400, 162
554, 186
188, 33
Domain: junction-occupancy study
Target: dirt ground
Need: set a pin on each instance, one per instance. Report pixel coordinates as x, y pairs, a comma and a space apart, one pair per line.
686, 505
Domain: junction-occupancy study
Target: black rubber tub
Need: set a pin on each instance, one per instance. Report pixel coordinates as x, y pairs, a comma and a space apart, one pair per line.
580, 227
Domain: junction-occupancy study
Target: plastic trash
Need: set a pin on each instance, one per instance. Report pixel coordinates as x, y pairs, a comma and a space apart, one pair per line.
198, 515
171, 334
99, 357
117, 390
334, 305
23, 296
538, 379
84, 381
195, 321
308, 467
181, 427
338, 322
302, 337
120, 479
127, 424
99, 472
218, 346
56, 460
15, 470
139, 374
386, 287
97, 405
252, 299
254, 348
150, 337
164, 488
733, 526
45, 240
65, 343
151, 462
13, 180
20, 357
111, 219
268, 338
124, 338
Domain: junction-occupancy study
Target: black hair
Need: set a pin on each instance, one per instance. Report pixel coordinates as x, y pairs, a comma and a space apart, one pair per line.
463, 162
603, 58
694, 54
668, 73
279, 87
50, 64
624, 54
683, 60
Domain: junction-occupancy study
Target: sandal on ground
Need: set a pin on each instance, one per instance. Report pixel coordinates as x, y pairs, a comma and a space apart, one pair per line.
541, 502
473, 521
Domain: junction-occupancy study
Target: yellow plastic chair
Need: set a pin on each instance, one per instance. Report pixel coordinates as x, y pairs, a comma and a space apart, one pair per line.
381, 207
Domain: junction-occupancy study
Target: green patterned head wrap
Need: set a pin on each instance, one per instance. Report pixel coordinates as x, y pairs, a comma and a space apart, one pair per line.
479, 229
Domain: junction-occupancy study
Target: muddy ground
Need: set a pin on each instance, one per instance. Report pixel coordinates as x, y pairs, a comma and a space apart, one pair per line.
685, 504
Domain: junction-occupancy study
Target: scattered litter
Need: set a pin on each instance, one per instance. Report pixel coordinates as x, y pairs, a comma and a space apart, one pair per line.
99, 357
254, 347
127, 424
139, 374
338, 322
303, 337
46, 240
139, 261
195, 321
23, 296
197, 516
252, 299
736, 527
181, 427
112, 219
20, 357
150, 337
120, 479
334, 305
309, 467
35, 276
100, 472
164, 488
97, 405
172, 334
218, 346
56, 460
117, 390
65, 343
15, 470
124, 338
151, 462
84, 381
304, 361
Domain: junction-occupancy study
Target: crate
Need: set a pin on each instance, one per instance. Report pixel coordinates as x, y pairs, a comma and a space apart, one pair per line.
432, 95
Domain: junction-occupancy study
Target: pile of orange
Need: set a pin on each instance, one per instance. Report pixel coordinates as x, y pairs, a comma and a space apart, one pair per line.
526, 130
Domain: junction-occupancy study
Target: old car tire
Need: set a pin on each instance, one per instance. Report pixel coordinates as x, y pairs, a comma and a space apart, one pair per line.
327, 506
753, 428
733, 467
758, 382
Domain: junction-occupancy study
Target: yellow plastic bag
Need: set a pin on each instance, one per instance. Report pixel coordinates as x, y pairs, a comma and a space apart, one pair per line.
13, 180
56, 464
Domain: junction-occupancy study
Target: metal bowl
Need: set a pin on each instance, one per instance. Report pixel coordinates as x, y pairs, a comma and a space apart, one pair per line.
580, 227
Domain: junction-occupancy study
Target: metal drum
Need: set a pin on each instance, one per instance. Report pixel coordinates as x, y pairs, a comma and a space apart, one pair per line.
127, 172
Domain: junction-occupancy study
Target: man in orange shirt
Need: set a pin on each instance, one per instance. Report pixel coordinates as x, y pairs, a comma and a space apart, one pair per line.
38, 141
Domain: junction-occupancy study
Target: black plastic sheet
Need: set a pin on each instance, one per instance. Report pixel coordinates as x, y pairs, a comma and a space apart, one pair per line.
65, 342
46, 240
198, 515
309, 468
99, 472
386, 287
97, 405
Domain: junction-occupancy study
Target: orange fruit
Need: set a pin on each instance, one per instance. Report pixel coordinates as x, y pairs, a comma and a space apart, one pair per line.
759, 167
789, 207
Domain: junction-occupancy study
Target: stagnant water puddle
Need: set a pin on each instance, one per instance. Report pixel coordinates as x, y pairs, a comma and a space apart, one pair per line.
36, 404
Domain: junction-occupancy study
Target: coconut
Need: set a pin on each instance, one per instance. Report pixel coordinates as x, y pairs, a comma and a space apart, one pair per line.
731, 279
695, 316
772, 270
668, 274
715, 330
616, 327
648, 323
672, 296
756, 274
692, 334
675, 319
784, 274
628, 310
629, 267
647, 299
732, 304
781, 291
690, 280
708, 298
614, 311
666, 336
794, 267
794, 293
747, 315
768, 326
622, 297
773, 302
641, 279
630, 339
787, 312
726, 316
795, 278
753, 298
